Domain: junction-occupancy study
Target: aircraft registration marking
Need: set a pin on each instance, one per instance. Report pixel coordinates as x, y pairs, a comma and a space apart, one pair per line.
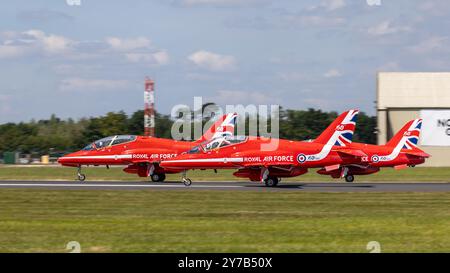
154, 156
270, 158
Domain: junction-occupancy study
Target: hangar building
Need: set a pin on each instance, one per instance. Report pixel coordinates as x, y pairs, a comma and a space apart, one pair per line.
405, 96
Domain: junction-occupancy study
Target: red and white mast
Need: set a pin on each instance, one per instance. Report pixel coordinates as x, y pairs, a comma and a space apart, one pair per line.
149, 110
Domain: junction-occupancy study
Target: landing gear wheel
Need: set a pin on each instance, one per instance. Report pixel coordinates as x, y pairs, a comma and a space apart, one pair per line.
271, 181
349, 178
81, 177
187, 182
155, 177
162, 177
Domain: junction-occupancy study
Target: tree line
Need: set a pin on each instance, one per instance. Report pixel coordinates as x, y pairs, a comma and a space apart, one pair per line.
55, 135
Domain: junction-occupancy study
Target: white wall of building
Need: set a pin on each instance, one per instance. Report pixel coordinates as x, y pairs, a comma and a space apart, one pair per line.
403, 96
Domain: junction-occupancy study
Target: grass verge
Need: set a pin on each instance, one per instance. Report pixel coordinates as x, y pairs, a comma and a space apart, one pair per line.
101, 173
222, 221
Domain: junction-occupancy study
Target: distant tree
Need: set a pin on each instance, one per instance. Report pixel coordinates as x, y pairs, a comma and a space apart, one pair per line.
163, 126
365, 129
303, 125
55, 134
136, 123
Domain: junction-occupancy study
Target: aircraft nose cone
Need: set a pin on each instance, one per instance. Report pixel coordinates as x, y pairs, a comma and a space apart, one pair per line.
68, 159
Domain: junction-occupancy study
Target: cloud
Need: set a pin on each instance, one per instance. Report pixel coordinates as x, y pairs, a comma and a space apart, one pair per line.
328, 5
10, 51
43, 16
87, 85
212, 61
314, 20
332, 73
53, 44
37, 42
318, 103
286, 20
157, 58
389, 66
138, 50
293, 76
78, 68
128, 44
222, 3
386, 27
243, 97
202, 77
18, 44
434, 7
334, 4
5, 104
435, 43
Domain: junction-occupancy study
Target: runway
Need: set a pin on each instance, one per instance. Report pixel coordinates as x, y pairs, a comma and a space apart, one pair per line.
233, 186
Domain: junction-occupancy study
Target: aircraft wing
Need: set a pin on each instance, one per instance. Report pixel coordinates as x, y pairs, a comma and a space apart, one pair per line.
352, 152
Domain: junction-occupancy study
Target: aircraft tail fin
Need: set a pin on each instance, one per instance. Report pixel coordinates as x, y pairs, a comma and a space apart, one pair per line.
340, 131
408, 136
224, 126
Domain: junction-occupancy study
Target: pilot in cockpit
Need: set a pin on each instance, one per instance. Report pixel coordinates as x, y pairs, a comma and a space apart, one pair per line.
217, 143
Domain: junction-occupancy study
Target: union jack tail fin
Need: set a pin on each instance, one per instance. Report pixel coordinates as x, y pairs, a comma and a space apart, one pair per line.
340, 131
408, 136
224, 126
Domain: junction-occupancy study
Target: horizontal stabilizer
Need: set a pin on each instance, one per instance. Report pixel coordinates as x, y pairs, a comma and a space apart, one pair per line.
418, 153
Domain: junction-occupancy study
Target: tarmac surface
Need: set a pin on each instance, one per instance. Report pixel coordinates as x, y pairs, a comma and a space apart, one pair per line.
240, 186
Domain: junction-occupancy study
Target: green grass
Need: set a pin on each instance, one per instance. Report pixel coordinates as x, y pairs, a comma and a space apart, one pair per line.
101, 173
222, 221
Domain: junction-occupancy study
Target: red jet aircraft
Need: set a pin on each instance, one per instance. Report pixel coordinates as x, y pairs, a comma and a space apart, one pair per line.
400, 152
143, 155
288, 159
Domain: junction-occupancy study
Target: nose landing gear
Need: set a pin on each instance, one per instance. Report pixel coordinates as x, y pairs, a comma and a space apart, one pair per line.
186, 181
81, 177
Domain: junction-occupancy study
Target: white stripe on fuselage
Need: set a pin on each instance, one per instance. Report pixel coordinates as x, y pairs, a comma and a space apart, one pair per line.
394, 153
206, 160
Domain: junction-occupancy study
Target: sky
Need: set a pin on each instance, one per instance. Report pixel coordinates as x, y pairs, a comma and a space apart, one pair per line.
89, 59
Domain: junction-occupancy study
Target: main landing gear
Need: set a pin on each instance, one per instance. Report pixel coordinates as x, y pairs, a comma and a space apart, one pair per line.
349, 178
345, 174
186, 181
81, 177
271, 181
158, 177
